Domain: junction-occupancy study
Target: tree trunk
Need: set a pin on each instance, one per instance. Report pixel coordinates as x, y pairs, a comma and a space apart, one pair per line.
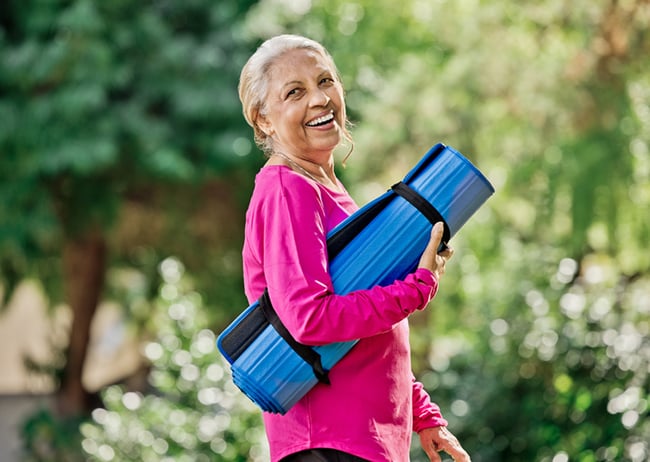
84, 269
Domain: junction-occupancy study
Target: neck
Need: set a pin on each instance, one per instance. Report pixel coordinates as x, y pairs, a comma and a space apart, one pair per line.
318, 173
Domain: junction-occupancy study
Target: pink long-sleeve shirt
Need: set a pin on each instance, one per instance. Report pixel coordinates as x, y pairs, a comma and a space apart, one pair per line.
374, 403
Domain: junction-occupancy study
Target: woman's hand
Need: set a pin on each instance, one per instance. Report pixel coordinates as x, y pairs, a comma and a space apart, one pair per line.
437, 439
431, 259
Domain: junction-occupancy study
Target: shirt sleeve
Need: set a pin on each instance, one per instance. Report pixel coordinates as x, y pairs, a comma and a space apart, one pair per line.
426, 414
290, 220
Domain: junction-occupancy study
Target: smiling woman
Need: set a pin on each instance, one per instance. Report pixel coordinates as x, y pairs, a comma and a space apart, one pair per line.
293, 98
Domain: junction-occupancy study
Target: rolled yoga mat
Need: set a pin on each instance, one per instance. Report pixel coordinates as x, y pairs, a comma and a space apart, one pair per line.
392, 232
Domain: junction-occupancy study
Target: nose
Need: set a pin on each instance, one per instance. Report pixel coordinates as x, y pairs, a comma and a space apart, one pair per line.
320, 98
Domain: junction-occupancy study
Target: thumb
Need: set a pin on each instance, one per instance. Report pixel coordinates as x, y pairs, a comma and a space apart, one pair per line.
436, 235
429, 256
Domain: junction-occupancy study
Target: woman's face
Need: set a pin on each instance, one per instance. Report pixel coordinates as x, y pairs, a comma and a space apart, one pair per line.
305, 112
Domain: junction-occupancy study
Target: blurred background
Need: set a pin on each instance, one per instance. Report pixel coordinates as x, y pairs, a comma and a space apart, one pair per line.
126, 167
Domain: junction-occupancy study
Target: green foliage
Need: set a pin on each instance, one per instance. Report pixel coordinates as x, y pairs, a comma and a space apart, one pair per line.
193, 412
49, 439
107, 103
121, 118
564, 371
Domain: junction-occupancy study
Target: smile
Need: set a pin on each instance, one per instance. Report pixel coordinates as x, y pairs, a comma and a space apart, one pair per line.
321, 120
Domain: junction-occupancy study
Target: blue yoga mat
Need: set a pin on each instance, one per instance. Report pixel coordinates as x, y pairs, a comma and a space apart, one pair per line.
389, 231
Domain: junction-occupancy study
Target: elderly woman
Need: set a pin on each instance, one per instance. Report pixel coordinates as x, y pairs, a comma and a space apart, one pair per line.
292, 96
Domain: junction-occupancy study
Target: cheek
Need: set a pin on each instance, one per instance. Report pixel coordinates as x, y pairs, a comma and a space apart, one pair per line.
340, 101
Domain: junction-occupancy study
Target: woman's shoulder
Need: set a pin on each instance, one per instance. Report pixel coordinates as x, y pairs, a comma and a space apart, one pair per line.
280, 183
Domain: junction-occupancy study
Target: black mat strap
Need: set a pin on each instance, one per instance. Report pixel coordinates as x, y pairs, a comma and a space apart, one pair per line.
307, 353
425, 208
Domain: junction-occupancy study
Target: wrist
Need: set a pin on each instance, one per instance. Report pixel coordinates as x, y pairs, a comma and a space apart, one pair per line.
427, 276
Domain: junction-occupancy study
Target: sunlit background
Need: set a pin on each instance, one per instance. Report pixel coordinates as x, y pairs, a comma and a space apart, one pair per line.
125, 170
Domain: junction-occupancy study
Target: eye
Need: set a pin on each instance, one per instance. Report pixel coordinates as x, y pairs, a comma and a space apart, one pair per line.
326, 81
293, 92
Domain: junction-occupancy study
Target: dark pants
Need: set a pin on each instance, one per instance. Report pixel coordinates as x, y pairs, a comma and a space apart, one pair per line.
322, 455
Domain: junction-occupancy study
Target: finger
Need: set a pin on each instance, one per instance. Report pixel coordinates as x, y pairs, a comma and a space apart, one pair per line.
447, 253
434, 241
459, 455
431, 448
433, 455
436, 235
447, 442
455, 450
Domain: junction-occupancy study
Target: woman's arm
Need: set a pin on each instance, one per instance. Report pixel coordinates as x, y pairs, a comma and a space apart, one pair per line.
432, 429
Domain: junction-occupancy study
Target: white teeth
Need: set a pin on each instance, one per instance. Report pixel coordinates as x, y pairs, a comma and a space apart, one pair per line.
321, 120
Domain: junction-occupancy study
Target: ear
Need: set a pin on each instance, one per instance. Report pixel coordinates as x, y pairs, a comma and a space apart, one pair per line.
264, 124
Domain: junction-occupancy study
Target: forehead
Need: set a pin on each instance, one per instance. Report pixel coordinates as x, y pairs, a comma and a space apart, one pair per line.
297, 64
